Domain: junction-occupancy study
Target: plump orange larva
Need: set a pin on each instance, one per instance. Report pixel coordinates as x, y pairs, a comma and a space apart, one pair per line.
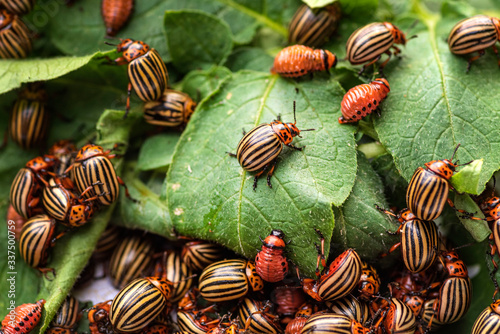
115, 14
298, 60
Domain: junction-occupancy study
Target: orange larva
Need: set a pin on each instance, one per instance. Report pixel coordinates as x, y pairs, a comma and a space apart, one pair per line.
298, 60
362, 100
115, 14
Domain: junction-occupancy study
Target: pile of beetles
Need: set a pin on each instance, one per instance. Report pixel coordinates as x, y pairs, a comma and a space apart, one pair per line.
199, 287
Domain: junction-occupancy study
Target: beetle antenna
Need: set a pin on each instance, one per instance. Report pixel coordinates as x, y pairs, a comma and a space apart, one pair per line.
308, 130
107, 43
454, 152
410, 29
294, 118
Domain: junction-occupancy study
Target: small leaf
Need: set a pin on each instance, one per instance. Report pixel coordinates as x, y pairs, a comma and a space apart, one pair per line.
319, 3
72, 252
467, 179
196, 39
156, 152
15, 72
478, 229
199, 84
211, 197
358, 224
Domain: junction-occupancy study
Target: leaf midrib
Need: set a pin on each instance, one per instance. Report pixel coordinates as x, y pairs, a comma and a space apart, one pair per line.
269, 87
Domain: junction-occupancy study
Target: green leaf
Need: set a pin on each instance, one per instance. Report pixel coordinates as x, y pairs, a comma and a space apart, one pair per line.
15, 72
211, 197
318, 3
72, 252
200, 84
149, 157
433, 105
196, 39
478, 229
358, 224
467, 179
254, 59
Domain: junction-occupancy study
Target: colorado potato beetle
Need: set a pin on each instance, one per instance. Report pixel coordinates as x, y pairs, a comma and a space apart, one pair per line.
489, 320
131, 259
254, 317
229, 280
98, 317
92, 168
147, 72
399, 318
29, 119
303, 313
18, 7
312, 27
419, 240
428, 188
197, 255
37, 238
139, 303
299, 60
173, 269
333, 324
15, 40
369, 282
107, 242
368, 43
25, 318
115, 14
270, 262
174, 108
259, 148
362, 100
474, 34
64, 151
67, 317
351, 307
341, 278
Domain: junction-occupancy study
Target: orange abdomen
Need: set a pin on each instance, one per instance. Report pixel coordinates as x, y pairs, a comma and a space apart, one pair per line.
115, 14
298, 60
271, 265
361, 100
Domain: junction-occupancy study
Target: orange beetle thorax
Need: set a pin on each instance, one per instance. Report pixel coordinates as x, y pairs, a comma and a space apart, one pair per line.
285, 131
398, 35
455, 266
80, 214
89, 151
496, 22
42, 163
274, 240
491, 207
382, 85
358, 328
132, 49
405, 215
6, 18
164, 285
444, 168
495, 307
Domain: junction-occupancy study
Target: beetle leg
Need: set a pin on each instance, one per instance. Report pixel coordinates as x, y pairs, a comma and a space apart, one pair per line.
120, 181
366, 65
295, 147
465, 214
278, 118
392, 249
469, 63
243, 131
270, 174
231, 154
127, 108
45, 272
256, 178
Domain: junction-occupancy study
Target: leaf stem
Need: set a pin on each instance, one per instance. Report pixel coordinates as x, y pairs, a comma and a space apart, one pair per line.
257, 16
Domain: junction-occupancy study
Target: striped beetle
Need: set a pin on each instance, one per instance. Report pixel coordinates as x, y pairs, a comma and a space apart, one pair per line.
92, 168
362, 100
254, 317
29, 119
197, 255
65, 206
270, 262
173, 269
174, 108
67, 317
489, 320
229, 280
259, 148
329, 323
419, 240
25, 189
455, 292
107, 242
115, 13
398, 318
474, 34
312, 27
139, 303
147, 72
18, 7
37, 237
15, 40
26, 317
341, 278
427, 317
299, 60
368, 43
351, 307
304, 312
131, 259
428, 188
